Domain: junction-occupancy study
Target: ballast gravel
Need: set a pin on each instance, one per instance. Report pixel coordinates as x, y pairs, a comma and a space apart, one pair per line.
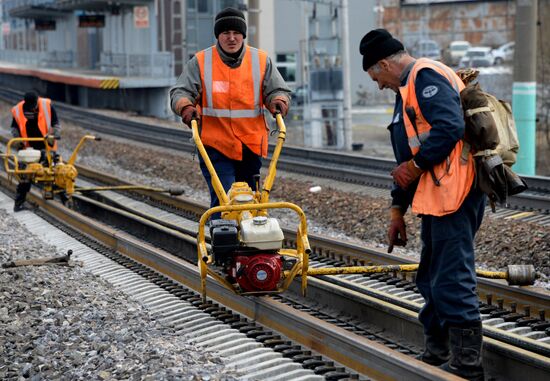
62, 323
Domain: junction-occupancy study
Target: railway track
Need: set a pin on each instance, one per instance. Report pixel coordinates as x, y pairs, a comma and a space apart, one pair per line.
382, 299
357, 169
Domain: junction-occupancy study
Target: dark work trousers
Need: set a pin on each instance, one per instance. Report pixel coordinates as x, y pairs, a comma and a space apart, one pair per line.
21, 191
446, 275
25, 183
230, 171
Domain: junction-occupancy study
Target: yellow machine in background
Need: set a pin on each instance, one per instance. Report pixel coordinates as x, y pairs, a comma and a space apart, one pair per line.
51, 172
247, 244
54, 175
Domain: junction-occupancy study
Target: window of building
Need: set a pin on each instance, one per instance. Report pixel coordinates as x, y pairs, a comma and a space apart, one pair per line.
286, 64
205, 6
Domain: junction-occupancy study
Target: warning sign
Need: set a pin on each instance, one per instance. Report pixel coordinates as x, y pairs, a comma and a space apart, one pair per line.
6, 28
141, 17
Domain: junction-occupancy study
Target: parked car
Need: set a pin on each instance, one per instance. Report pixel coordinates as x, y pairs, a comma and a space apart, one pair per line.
477, 56
426, 48
455, 51
504, 53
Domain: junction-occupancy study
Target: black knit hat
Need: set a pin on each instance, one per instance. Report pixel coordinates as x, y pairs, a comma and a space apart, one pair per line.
31, 99
230, 19
376, 45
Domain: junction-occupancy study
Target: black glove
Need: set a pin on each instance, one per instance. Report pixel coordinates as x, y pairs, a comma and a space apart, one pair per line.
18, 145
189, 113
278, 104
50, 140
492, 178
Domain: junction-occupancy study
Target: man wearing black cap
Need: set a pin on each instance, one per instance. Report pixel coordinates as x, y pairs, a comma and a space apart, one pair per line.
33, 117
434, 176
227, 87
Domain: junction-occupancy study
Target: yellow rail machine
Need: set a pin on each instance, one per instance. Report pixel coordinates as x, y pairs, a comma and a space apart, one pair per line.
247, 244
55, 176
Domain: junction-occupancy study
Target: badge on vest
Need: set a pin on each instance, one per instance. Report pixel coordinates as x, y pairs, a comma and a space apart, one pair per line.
430, 91
220, 87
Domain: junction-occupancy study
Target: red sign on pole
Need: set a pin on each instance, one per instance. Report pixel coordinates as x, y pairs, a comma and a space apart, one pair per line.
6, 28
141, 17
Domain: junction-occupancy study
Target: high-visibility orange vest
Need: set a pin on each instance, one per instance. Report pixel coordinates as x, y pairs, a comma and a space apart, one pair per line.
232, 103
44, 118
456, 172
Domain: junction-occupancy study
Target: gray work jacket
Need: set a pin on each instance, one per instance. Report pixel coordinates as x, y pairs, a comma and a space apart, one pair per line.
189, 83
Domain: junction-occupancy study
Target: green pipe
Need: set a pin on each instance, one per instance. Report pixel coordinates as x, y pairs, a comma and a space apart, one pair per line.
524, 101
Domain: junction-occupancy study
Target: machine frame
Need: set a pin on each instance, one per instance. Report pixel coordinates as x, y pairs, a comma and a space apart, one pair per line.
230, 209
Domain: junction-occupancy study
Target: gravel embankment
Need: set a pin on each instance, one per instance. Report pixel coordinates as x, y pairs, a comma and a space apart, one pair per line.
53, 328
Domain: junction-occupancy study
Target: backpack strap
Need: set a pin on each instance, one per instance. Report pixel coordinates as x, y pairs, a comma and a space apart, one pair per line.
486, 152
477, 110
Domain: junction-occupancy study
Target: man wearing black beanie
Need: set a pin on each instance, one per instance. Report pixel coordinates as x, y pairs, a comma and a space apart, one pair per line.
227, 86
435, 176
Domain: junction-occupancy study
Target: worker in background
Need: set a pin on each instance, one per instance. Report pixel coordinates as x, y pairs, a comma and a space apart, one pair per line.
227, 86
436, 177
33, 117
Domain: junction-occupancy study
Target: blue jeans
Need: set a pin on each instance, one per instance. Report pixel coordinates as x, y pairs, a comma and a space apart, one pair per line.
230, 171
446, 275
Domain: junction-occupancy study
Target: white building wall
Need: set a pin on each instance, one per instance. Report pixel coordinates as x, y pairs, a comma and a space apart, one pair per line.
267, 27
63, 38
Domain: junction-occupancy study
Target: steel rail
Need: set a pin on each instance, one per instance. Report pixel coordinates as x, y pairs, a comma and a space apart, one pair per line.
339, 166
537, 299
353, 351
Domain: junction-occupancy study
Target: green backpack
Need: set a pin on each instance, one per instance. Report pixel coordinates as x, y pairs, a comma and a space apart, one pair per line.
492, 138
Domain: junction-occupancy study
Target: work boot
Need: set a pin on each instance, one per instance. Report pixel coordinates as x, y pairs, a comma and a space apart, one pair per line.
19, 206
466, 352
437, 349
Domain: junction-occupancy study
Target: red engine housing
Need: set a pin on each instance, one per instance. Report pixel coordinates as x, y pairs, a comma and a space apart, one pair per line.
257, 272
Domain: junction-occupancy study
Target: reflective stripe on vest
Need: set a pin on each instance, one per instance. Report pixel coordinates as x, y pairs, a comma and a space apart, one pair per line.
417, 140
47, 115
208, 83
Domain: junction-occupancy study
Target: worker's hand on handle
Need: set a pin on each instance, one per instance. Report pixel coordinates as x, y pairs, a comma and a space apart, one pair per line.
50, 140
397, 233
278, 105
18, 145
406, 173
189, 113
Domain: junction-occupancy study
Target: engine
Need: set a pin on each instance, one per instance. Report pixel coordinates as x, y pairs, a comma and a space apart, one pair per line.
257, 272
248, 252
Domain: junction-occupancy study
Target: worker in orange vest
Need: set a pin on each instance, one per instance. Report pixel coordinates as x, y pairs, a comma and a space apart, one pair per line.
227, 86
435, 176
33, 117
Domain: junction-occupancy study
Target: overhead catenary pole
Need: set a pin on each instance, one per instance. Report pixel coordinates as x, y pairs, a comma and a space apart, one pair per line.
524, 90
346, 75
254, 23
